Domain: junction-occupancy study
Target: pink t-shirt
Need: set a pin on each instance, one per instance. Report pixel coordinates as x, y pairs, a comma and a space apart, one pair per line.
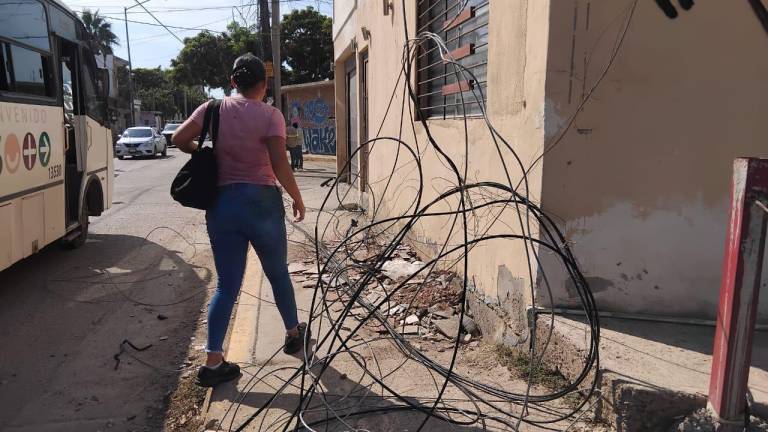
241, 149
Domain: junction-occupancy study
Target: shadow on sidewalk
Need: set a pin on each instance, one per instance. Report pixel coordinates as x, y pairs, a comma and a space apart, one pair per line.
689, 337
353, 406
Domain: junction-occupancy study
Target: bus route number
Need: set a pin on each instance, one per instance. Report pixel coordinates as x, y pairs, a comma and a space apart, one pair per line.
54, 172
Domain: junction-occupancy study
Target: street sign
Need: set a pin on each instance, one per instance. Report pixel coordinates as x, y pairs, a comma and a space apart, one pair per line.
270, 69
29, 151
44, 149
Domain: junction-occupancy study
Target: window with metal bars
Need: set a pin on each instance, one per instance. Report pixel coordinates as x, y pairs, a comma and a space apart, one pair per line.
444, 90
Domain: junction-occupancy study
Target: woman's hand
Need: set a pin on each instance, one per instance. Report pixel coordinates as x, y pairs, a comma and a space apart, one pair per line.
298, 211
284, 174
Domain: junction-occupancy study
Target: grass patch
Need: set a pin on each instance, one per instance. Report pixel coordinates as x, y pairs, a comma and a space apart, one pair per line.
520, 364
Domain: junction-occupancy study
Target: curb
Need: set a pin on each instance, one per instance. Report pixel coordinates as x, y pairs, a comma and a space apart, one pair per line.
243, 329
319, 158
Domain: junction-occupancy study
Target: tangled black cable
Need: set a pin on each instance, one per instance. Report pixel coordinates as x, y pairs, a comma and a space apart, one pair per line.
474, 215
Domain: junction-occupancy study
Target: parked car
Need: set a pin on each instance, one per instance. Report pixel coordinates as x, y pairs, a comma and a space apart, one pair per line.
140, 141
168, 131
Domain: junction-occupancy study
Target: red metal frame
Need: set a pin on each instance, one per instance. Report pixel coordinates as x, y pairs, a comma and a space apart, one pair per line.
739, 290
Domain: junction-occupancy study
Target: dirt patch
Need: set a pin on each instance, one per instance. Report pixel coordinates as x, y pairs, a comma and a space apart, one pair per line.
185, 407
185, 402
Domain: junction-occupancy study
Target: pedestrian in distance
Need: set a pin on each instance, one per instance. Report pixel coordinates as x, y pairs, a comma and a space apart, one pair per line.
251, 159
293, 143
299, 147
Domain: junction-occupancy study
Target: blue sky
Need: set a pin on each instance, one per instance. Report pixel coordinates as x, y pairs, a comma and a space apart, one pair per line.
152, 45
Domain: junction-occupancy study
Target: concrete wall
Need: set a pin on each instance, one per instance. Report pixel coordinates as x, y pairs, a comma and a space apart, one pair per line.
517, 67
640, 181
312, 107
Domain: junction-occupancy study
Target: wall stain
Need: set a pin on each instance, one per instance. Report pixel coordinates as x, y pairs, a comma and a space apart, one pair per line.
596, 284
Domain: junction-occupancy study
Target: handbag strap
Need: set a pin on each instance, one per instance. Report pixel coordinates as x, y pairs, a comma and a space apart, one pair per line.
210, 121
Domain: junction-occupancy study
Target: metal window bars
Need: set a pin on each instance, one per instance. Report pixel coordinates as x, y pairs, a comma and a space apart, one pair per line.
445, 92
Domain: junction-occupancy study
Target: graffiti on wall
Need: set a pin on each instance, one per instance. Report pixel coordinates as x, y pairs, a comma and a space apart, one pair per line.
317, 125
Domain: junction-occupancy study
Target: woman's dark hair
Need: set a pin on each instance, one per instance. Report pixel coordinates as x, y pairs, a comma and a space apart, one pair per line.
248, 71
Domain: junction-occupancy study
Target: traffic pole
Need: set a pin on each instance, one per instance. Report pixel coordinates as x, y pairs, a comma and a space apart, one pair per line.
130, 70
276, 61
739, 291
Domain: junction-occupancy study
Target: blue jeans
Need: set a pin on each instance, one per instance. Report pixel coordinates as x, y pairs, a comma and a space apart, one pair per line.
247, 213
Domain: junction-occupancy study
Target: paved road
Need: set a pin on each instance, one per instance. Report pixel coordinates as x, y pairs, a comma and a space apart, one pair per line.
63, 314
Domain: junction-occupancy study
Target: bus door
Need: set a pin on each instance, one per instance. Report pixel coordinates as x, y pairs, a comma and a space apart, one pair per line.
75, 138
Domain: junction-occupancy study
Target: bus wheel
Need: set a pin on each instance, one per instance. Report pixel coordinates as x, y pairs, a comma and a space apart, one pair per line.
78, 237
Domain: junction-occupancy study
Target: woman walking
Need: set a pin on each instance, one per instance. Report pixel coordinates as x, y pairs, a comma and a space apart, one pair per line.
251, 157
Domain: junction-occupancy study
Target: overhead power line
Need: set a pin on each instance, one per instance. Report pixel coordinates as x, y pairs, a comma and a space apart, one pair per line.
160, 22
164, 34
159, 25
197, 9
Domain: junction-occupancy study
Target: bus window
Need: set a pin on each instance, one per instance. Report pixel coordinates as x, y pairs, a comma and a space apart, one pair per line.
24, 21
26, 71
31, 72
95, 98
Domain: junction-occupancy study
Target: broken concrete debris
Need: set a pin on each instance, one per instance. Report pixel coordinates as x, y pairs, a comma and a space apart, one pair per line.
441, 311
703, 420
294, 268
414, 307
469, 326
398, 269
410, 330
448, 327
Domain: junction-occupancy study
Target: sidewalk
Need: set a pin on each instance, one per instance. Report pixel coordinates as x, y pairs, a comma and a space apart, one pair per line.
344, 390
651, 371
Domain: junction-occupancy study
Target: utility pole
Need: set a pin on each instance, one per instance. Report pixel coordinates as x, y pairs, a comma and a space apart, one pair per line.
130, 71
264, 29
276, 61
130, 64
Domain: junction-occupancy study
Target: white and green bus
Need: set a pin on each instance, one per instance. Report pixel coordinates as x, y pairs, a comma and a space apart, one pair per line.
56, 160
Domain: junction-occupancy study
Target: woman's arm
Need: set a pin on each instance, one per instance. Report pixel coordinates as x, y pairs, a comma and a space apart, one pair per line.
284, 174
184, 136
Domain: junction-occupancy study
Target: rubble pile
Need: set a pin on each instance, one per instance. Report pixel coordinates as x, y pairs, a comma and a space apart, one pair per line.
703, 420
426, 305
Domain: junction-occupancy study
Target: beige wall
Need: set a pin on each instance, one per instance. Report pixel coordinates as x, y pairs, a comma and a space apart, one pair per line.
518, 39
344, 24
640, 181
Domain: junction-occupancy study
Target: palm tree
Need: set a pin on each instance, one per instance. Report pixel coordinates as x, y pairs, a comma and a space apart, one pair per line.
101, 30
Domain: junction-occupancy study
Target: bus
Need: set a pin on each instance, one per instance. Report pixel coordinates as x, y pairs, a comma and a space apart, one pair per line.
56, 156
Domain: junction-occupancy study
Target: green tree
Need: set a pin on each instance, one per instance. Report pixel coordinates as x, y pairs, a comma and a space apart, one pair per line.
307, 46
101, 30
243, 39
158, 91
206, 59
154, 90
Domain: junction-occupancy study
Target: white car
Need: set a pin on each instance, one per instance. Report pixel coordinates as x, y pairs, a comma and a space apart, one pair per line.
168, 131
140, 141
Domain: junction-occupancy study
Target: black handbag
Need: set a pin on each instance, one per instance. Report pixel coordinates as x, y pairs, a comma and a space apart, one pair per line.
196, 183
